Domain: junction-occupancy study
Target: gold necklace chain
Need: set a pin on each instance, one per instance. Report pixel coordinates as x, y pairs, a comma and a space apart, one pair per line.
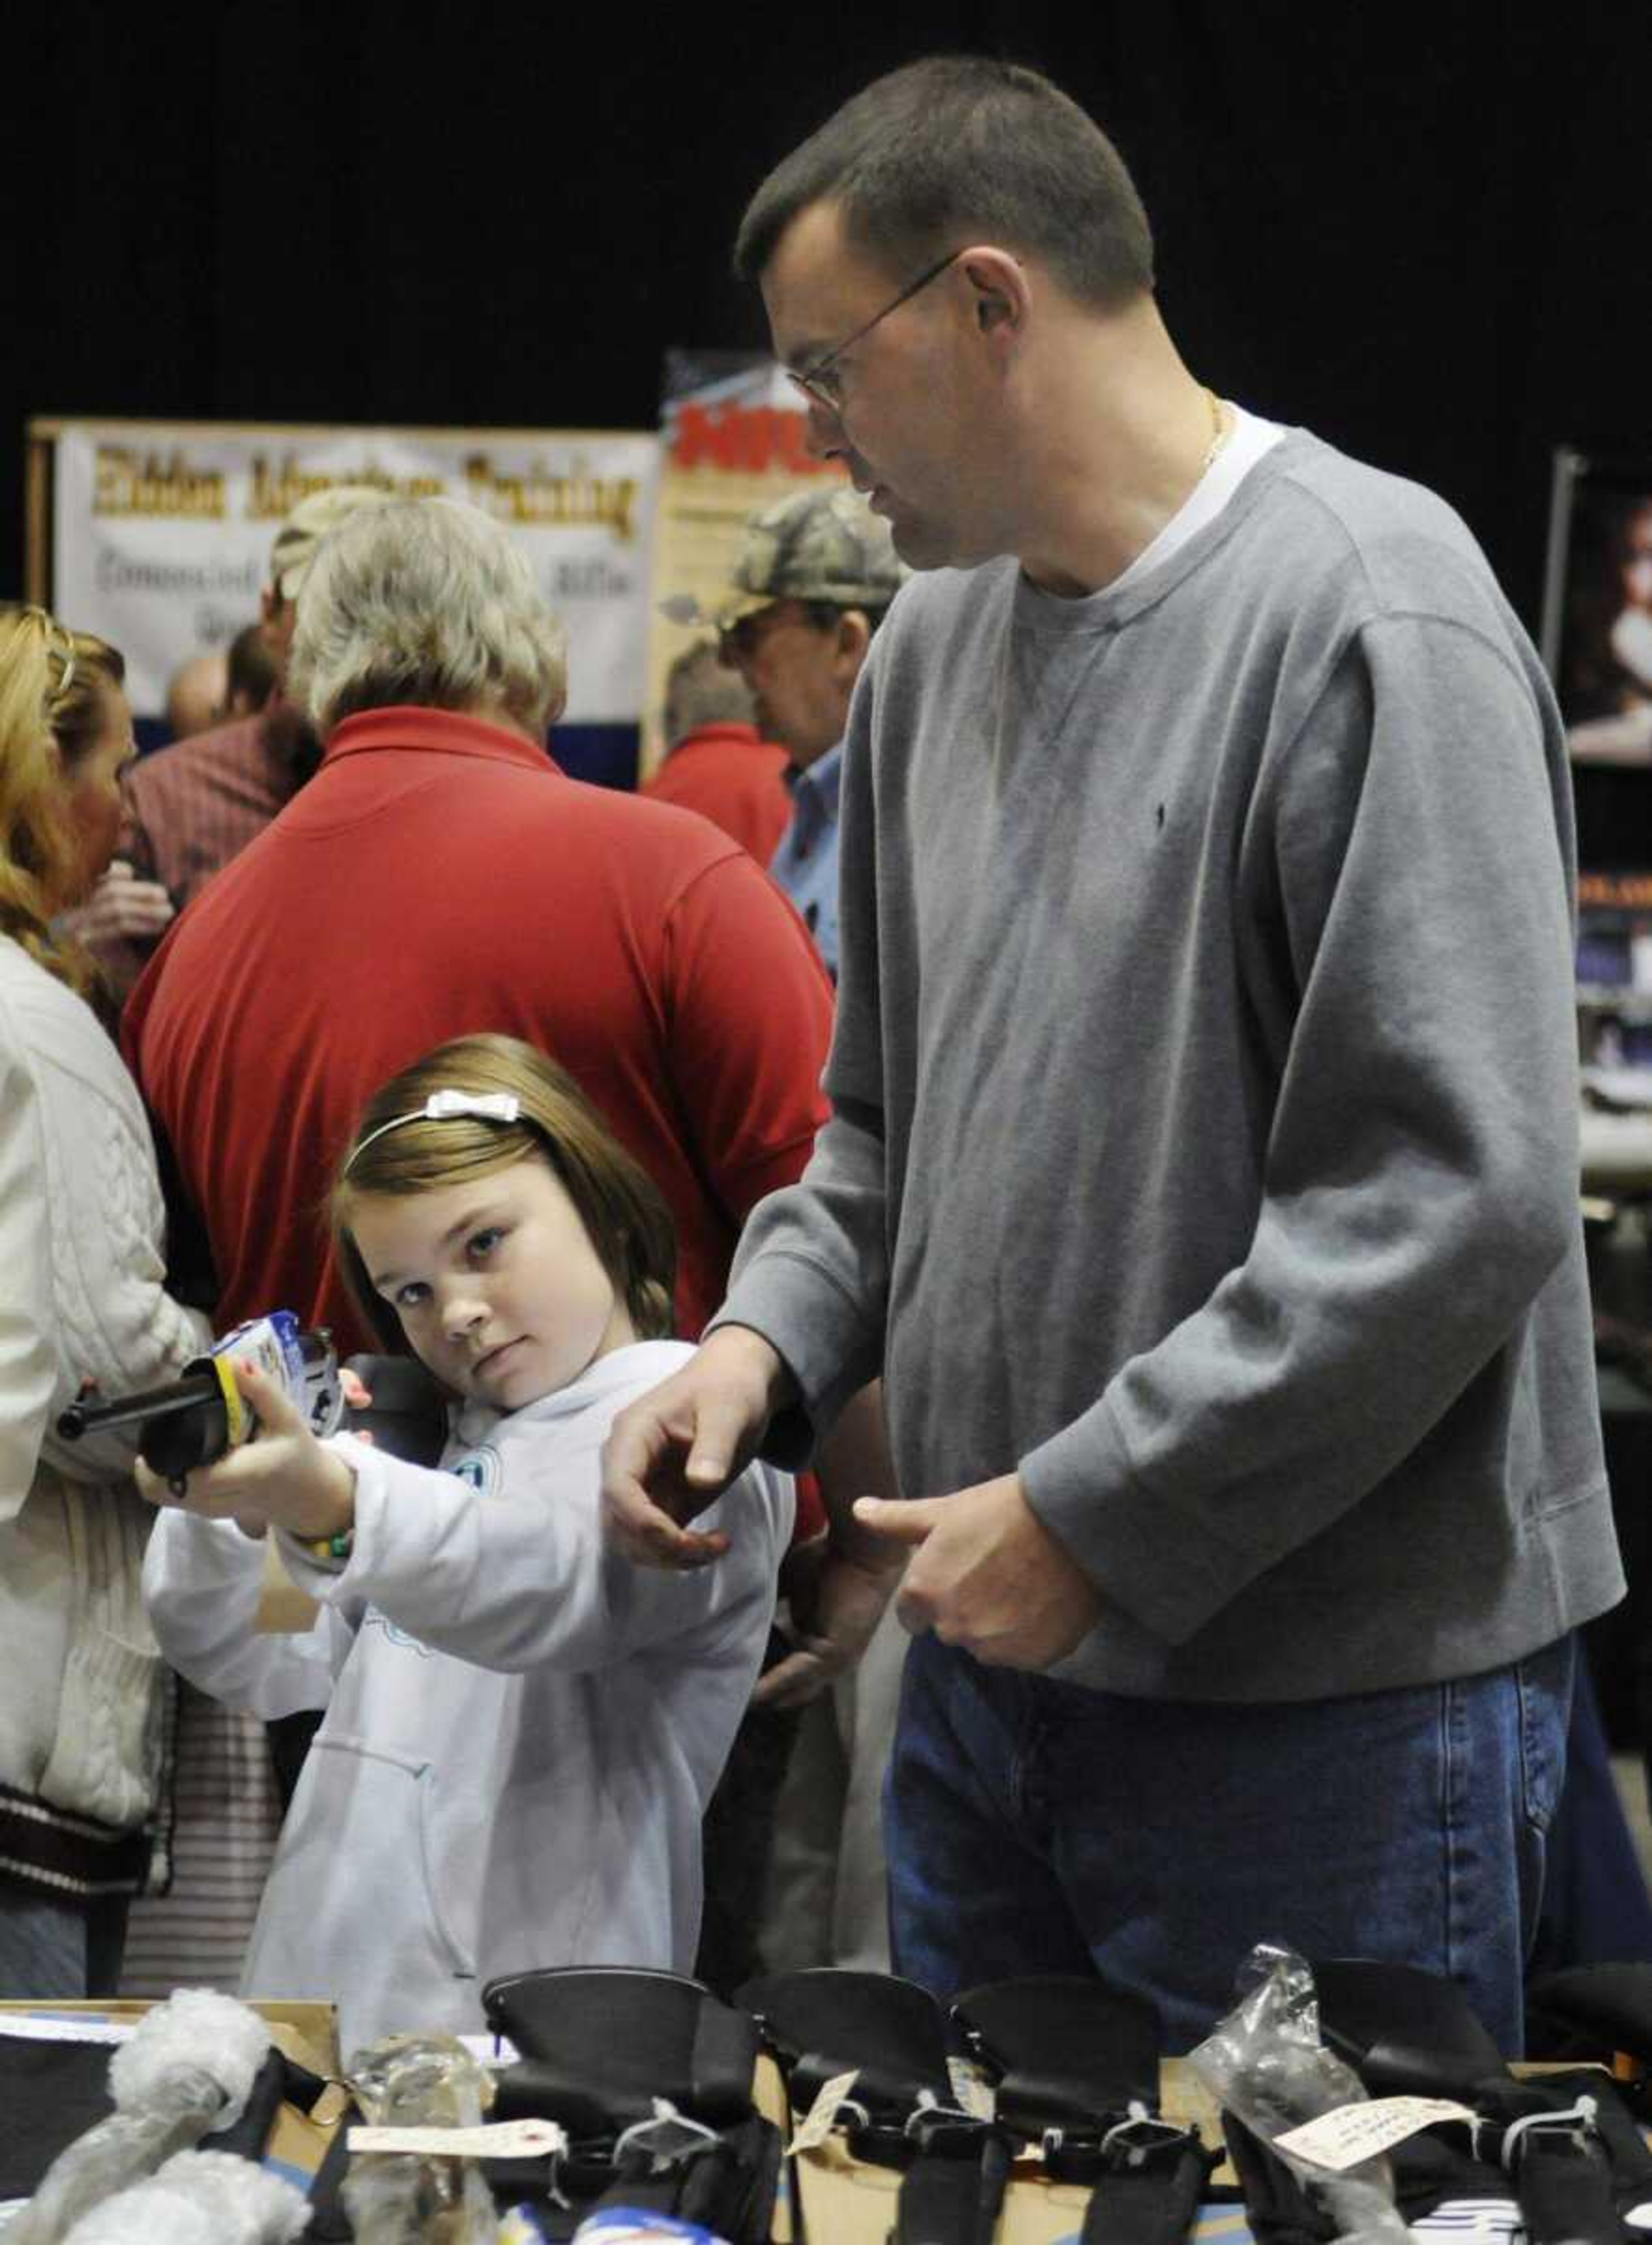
1219, 427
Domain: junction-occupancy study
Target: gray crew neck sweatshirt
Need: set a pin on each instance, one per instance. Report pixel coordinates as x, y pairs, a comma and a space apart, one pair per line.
1203, 1138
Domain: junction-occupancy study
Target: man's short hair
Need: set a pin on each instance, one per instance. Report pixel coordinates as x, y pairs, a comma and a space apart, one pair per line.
958, 149
425, 602
252, 674
701, 689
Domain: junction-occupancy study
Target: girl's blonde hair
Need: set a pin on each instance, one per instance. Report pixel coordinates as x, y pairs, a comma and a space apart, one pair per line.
52, 684
625, 1217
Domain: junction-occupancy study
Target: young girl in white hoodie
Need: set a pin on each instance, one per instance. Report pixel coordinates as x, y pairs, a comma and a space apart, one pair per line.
522, 1729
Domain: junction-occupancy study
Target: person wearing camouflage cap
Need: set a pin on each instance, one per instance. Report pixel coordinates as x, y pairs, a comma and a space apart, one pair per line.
814, 579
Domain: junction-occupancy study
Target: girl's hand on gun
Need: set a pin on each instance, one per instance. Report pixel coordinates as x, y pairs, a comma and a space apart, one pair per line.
283, 1477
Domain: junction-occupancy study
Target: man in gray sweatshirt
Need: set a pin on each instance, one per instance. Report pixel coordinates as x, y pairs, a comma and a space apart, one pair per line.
1201, 1171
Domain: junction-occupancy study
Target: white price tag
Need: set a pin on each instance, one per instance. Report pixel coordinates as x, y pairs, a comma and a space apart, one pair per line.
1353, 2132
816, 2124
495, 2140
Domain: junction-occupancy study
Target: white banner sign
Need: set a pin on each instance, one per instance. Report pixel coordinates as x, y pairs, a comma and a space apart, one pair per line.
162, 533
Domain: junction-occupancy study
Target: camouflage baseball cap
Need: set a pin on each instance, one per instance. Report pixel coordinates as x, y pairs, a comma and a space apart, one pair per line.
309, 523
817, 545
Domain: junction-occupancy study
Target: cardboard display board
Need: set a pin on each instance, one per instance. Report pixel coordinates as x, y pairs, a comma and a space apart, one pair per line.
156, 535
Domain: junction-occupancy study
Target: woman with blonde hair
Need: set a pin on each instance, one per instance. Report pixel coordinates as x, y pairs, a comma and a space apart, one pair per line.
81, 1244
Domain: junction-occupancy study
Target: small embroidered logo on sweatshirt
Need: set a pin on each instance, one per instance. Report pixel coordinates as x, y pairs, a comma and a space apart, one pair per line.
481, 1467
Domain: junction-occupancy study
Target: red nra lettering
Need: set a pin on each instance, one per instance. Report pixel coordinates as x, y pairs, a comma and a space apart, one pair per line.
741, 439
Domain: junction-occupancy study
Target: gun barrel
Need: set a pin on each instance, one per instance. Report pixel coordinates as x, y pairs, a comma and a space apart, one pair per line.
196, 1387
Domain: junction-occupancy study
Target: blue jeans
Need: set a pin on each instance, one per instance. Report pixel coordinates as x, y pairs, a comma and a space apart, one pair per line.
1036, 1827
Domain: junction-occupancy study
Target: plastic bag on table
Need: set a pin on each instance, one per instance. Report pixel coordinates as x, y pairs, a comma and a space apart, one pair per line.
408, 2198
1265, 2063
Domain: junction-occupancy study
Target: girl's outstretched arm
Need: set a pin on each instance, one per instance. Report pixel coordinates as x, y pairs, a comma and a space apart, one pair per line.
203, 1573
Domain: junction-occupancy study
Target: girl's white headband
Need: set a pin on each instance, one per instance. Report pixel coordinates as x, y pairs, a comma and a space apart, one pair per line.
443, 1107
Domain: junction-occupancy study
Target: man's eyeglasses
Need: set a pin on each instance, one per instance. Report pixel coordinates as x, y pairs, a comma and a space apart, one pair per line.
819, 380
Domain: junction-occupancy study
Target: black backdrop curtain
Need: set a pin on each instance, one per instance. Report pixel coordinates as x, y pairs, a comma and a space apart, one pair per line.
1420, 231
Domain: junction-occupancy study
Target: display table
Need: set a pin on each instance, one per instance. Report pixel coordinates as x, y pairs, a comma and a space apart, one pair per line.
844, 2201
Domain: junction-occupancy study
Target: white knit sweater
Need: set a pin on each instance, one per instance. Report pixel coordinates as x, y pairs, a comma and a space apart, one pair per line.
81, 1296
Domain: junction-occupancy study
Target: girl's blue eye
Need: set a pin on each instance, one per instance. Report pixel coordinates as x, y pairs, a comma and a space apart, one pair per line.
411, 1296
484, 1242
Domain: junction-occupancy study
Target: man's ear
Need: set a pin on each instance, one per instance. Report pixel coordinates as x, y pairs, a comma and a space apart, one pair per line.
998, 282
854, 635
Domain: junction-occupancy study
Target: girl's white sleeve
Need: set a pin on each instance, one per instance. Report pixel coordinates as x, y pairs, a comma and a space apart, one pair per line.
201, 1583
522, 1577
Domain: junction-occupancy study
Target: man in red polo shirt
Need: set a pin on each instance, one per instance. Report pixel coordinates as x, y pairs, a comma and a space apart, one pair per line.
715, 761
440, 875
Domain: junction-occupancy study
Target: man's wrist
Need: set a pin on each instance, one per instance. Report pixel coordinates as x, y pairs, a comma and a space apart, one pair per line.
744, 1349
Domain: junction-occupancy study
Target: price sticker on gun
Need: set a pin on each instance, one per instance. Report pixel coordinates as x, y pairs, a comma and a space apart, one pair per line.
195, 1419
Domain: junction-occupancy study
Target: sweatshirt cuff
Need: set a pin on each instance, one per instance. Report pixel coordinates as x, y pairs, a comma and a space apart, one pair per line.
1143, 1553
816, 1332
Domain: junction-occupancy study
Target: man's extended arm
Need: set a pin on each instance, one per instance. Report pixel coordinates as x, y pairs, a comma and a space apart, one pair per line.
670, 1452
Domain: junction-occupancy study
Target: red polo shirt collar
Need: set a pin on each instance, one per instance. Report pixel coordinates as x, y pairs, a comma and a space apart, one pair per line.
449, 732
